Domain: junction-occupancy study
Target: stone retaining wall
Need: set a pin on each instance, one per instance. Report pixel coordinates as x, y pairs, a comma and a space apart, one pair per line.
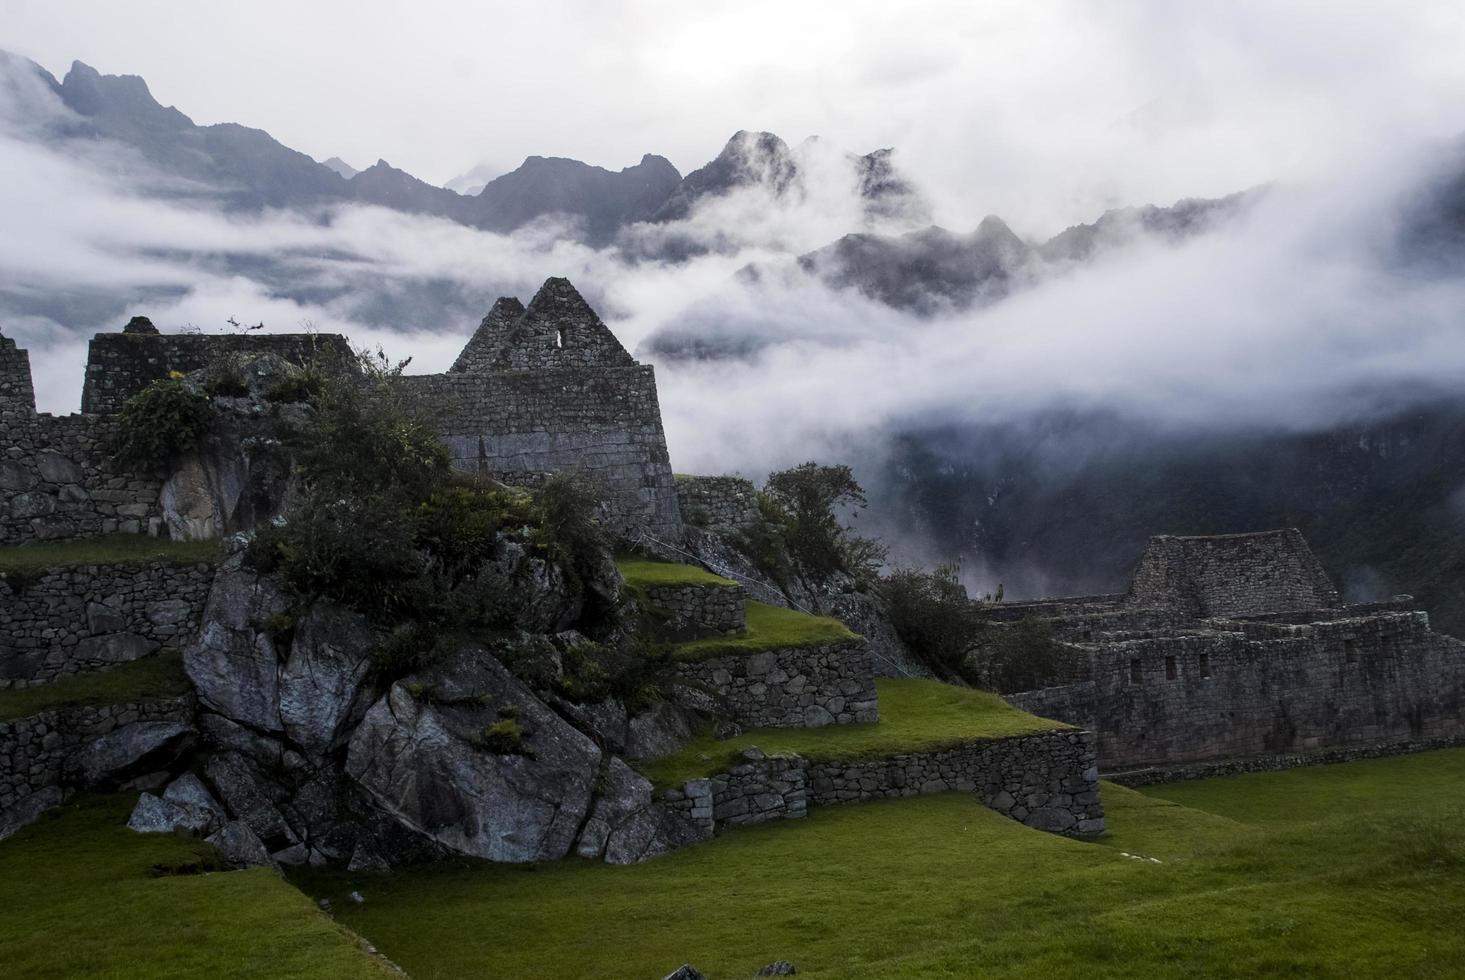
86, 617
34, 750
1048, 781
707, 608
798, 687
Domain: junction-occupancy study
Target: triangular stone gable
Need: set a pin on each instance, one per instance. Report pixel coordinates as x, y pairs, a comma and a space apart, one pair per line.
557, 330
488, 348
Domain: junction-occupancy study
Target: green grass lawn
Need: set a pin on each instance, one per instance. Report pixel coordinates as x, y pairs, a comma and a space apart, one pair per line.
105, 550
769, 628
643, 573
80, 899
915, 715
152, 678
941, 887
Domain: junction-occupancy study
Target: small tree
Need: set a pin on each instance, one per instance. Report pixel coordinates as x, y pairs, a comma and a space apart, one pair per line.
160, 423
804, 504
933, 615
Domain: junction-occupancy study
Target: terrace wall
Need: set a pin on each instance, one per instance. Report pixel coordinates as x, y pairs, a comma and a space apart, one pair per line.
86, 617
798, 687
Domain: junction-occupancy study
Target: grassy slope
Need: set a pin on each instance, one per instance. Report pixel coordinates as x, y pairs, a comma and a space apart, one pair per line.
769, 628
152, 678
915, 715
645, 574
941, 887
104, 550
79, 901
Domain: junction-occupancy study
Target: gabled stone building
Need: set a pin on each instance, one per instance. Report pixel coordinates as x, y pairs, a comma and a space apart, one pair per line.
540, 389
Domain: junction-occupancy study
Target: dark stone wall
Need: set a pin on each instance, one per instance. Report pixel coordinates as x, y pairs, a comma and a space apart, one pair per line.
721, 504
798, 687
604, 423
58, 480
87, 617
119, 365
1246, 689
17, 396
1232, 574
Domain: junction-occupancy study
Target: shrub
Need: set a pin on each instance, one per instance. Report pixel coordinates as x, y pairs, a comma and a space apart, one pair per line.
460, 523
583, 678
160, 423
1019, 657
407, 649
225, 379
933, 615
567, 525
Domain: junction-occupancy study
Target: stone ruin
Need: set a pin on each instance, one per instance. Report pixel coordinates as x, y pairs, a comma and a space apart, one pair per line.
540, 389
1237, 647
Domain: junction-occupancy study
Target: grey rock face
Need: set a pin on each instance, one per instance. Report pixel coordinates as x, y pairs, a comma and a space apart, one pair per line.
239, 847
143, 746
424, 762
189, 791
686, 972
29, 810
778, 968
155, 815
245, 792
233, 664
658, 731
626, 826
115, 648
319, 682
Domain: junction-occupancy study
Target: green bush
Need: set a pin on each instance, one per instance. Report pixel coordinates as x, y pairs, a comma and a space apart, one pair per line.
460, 523
933, 615
407, 649
160, 423
1019, 657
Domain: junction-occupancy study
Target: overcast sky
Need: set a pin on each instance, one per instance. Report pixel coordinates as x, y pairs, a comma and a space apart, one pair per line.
1040, 111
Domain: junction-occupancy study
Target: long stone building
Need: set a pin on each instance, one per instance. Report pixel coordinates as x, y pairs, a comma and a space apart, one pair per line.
1238, 647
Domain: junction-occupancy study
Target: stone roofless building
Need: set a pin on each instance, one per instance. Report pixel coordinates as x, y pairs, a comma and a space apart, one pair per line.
1237, 647
537, 390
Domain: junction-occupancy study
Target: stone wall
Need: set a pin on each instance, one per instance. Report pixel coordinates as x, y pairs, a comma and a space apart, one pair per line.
119, 365
1048, 781
603, 423
35, 750
1264, 688
1154, 775
717, 503
701, 608
1232, 574
798, 687
86, 617
58, 481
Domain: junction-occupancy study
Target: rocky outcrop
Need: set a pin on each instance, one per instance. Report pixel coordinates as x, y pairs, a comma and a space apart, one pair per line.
132, 750
234, 663
428, 754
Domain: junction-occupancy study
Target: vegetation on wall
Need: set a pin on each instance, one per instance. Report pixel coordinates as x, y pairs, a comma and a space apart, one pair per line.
160, 423
933, 616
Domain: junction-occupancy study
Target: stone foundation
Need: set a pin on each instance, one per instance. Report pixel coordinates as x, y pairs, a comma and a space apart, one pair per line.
88, 617
799, 687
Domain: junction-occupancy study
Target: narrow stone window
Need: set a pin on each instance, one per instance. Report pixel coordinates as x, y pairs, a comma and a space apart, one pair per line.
1350, 651
1135, 674
559, 339
1170, 671
1205, 665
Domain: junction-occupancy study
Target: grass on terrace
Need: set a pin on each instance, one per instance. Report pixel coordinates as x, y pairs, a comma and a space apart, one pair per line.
769, 628
106, 550
80, 899
644, 573
939, 886
152, 678
915, 715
